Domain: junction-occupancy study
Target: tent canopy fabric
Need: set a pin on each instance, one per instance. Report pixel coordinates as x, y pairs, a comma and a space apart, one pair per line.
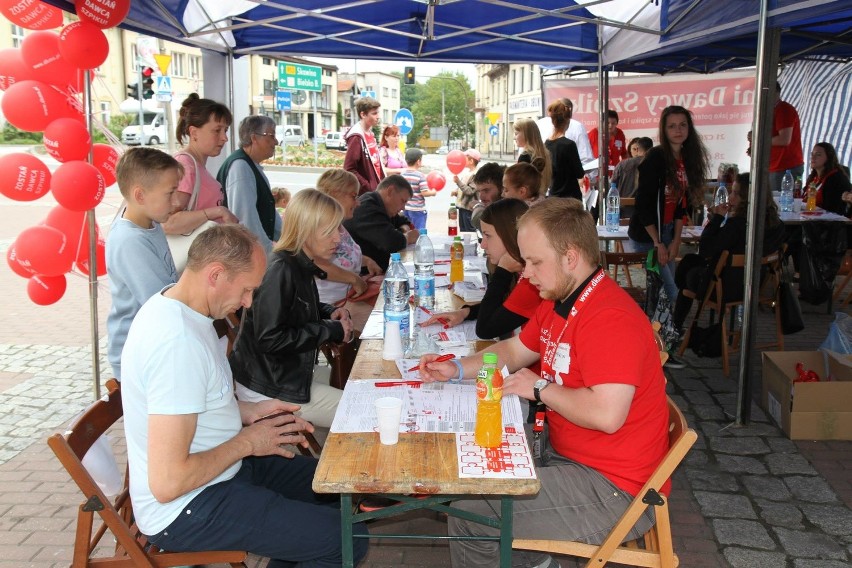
656, 36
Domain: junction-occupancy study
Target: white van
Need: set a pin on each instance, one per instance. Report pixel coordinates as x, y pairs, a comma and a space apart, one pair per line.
335, 141
289, 135
153, 130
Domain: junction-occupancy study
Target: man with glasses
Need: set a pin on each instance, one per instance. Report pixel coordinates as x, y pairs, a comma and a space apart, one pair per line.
247, 190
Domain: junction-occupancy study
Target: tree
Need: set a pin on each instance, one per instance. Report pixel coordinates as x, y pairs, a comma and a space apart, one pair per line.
408, 96
457, 98
339, 115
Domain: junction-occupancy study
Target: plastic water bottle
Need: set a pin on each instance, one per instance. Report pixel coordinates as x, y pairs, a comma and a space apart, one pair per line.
395, 291
424, 271
453, 220
786, 199
720, 200
613, 209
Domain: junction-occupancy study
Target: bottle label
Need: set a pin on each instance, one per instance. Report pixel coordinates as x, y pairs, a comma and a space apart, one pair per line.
403, 319
489, 384
424, 286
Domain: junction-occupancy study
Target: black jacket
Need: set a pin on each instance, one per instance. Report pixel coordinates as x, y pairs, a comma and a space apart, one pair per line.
283, 329
376, 233
651, 197
567, 168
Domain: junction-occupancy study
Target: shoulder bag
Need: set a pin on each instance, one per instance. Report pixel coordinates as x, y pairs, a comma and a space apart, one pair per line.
179, 244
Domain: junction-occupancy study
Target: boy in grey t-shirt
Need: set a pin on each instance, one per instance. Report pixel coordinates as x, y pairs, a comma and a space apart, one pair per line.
139, 263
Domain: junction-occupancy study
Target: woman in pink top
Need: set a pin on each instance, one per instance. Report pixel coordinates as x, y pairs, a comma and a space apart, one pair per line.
390, 152
203, 127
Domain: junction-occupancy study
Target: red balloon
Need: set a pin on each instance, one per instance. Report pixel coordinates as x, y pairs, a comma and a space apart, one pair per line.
15, 264
40, 51
102, 13
77, 185
31, 14
456, 161
45, 250
100, 255
67, 139
32, 105
46, 290
83, 45
70, 223
105, 159
12, 68
23, 177
436, 180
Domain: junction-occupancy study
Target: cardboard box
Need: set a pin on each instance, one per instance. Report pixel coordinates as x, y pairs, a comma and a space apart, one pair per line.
809, 411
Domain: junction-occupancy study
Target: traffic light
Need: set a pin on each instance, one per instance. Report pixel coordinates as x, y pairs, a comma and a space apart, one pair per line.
409, 75
133, 91
147, 83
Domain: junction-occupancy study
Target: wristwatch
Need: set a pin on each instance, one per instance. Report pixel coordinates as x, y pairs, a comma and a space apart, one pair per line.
539, 386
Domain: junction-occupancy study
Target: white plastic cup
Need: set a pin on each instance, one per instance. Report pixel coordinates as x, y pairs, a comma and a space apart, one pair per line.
388, 412
797, 206
467, 237
392, 349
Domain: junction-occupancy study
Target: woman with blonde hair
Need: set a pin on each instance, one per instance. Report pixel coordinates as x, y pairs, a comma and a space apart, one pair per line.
343, 270
528, 138
282, 331
564, 156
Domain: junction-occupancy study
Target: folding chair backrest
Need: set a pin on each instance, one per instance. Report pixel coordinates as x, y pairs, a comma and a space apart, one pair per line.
625, 260
131, 546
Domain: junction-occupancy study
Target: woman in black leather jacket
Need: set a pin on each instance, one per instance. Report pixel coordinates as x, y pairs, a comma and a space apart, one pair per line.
275, 353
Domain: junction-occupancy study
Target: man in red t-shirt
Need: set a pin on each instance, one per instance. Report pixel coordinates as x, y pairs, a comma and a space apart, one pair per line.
601, 381
617, 141
786, 150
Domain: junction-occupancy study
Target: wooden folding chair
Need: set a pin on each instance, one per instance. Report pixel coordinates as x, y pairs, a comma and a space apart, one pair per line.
132, 549
625, 259
658, 551
714, 299
619, 246
230, 326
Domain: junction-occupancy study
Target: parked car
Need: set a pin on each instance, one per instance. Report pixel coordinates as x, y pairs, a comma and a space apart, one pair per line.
289, 135
335, 141
442, 150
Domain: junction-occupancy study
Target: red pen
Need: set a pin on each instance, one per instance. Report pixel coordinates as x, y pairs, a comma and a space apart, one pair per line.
399, 384
440, 359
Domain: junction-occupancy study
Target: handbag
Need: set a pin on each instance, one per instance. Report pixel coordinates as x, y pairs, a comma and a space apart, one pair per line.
179, 244
791, 310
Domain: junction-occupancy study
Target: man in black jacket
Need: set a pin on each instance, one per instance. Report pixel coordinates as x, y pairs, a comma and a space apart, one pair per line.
377, 226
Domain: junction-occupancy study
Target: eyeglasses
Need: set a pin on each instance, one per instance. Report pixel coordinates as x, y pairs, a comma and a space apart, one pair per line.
267, 134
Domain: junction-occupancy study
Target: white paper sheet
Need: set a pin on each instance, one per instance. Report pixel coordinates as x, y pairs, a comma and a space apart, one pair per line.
426, 407
511, 460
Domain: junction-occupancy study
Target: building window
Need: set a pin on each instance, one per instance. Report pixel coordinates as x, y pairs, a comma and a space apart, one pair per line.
106, 115
194, 66
17, 35
178, 68
393, 93
267, 61
325, 98
532, 79
269, 87
513, 81
521, 75
385, 92
326, 72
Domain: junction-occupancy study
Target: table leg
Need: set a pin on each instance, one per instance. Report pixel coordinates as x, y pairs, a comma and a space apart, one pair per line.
346, 529
506, 531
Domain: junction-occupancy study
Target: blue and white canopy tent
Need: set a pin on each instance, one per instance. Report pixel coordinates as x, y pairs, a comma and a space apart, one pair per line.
654, 36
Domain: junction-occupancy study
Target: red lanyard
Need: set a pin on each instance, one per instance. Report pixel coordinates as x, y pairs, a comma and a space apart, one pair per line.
550, 350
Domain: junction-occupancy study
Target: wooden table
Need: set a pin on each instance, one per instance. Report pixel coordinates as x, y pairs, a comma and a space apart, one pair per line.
421, 464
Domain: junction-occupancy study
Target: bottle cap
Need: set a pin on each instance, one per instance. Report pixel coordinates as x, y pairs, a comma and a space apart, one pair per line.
394, 256
456, 239
489, 358
423, 232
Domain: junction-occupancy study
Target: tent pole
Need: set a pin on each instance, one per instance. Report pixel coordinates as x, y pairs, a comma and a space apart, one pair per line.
93, 246
603, 132
768, 45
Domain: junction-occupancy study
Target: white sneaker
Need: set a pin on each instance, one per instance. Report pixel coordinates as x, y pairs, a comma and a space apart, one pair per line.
549, 562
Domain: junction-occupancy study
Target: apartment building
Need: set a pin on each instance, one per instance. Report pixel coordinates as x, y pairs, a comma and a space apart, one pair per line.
505, 93
313, 111
384, 85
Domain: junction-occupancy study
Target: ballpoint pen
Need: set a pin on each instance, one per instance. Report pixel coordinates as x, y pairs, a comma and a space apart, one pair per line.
399, 384
440, 359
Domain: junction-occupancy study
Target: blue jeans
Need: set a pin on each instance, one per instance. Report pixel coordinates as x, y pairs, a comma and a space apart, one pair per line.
268, 509
666, 272
418, 218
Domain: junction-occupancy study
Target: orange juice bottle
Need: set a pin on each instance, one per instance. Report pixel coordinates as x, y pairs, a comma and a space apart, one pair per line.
810, 204
489, 392
457, 260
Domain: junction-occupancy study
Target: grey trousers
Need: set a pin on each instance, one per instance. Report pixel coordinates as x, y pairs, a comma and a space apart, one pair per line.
575, 503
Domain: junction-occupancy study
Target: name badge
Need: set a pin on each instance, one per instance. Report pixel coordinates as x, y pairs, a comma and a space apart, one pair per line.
562, 360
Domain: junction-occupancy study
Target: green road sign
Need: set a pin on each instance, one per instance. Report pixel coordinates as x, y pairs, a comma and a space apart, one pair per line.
295, 76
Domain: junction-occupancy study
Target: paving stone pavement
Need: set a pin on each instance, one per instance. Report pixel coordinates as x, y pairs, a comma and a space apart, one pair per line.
744, 497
